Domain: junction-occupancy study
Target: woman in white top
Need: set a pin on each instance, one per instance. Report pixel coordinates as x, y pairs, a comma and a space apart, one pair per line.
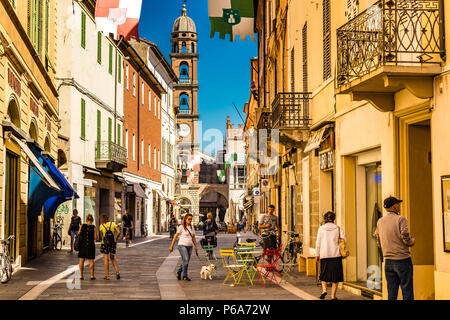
329, 255
186, 233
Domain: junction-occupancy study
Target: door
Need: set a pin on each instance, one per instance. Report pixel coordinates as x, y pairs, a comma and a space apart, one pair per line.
32, 237
11, 198
305, 196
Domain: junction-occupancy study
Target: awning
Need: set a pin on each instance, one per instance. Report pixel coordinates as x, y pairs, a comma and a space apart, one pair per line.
137, 189
314, 141
161, 194
47, 186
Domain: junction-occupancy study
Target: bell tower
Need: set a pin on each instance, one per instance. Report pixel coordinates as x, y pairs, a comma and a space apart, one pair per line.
184, 58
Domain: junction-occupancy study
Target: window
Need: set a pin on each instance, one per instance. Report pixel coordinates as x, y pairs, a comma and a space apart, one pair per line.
184, 71
143, 92
159, 109
109, 130
305, 57
154, 158
110, 66
99, 47
99, 132
164, 150
154, 104
119, 69
83, 119
134, 147
83, 29
149, 101
142, 151
159, 160
184, 102
149, 156
134, 84
126, 141
326, 40
35, 24
292, 70
127, 76
352, 9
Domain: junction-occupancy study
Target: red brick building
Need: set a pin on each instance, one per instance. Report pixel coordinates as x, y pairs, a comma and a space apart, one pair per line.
142, 137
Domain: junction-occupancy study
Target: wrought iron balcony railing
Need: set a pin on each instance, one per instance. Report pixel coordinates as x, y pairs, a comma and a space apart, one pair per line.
290, 110
184, 111
107, 151
391, 32
183, 81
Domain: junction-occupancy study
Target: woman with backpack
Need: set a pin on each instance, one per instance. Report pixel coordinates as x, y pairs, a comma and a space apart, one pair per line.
210, 227
186, 233
109, 242
86, 250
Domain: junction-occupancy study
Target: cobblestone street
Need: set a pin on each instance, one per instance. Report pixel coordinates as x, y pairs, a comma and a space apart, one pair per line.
147, 273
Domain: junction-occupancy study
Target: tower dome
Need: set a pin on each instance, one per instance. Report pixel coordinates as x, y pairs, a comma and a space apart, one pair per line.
184, 23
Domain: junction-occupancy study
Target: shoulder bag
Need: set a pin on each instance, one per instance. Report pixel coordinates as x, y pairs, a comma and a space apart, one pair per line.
193, 241
342, 248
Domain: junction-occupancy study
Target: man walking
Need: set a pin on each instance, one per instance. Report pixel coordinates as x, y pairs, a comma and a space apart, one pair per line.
394, 238
127, 225
268, 224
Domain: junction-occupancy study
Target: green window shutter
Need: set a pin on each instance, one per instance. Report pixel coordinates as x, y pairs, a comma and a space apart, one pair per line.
99, 132
83, 119
119, 134
99, 47
83, 30
47, 18
119, 68
39, 27
110, 58
109, 129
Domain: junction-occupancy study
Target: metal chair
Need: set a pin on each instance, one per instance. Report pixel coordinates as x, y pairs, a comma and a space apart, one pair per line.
232, 267
267, 268
245, 255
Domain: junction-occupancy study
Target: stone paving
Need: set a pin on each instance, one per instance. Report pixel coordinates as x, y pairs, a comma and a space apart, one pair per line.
148, 272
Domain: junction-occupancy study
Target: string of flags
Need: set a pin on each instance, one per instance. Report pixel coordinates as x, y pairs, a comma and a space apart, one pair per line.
233, 17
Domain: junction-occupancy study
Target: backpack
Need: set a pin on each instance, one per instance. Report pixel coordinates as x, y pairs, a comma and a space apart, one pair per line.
210, 226
109, 240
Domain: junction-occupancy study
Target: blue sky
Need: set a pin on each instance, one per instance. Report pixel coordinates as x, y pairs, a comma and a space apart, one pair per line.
224, 66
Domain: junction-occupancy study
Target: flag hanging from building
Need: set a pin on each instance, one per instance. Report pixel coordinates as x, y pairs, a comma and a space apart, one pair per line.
233, 17
119, 17
221, 175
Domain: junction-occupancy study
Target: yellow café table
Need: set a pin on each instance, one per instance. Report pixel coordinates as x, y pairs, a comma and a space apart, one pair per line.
249, 257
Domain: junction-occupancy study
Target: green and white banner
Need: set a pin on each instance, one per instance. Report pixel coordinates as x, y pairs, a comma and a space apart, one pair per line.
233, 17
221, 175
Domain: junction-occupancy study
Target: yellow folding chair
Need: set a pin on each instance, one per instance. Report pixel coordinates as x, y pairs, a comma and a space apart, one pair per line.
232, 267
244, 251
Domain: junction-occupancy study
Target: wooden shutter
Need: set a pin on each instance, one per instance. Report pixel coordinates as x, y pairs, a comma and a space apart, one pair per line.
119, 133
119, 68
99, 131
305, 57
352, 9
109, 130
99, 47
110, 59
47, 21
83, 30
326, 40
292, 70
83, 119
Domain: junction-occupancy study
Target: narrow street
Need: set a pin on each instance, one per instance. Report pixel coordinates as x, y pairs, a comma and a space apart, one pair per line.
147, 273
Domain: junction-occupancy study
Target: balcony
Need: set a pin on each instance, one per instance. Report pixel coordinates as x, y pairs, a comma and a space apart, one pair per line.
264, 118
290, 110
110, 156
391, 46
184, 81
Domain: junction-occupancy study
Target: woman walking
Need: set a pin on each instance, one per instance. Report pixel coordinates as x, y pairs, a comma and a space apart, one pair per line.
74, 228
186, 233
109, 243
88, 236
210, 229
329, 255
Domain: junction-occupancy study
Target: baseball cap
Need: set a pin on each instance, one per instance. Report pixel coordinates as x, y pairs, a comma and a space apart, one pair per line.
389, 202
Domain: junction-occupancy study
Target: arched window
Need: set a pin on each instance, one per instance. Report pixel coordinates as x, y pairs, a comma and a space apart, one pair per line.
183, 47
175, 47
33, 131
13, 113
184, 101
47, 146
193, 48
184, 70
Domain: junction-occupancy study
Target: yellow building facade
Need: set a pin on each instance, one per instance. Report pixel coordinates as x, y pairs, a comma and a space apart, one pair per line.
29, 113
358, 91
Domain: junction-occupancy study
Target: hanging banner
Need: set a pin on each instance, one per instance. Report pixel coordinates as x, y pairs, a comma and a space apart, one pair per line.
233, 17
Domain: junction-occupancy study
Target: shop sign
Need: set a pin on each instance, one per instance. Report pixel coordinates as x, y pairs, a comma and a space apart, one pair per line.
14, 83
326, 160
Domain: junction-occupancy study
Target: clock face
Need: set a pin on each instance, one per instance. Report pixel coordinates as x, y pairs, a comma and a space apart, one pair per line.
185, 130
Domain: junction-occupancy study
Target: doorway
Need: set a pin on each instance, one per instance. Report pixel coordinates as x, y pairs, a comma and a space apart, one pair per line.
417, 193
32, 237
11, 198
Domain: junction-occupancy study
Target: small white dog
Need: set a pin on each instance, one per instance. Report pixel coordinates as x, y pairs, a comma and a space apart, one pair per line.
207, 271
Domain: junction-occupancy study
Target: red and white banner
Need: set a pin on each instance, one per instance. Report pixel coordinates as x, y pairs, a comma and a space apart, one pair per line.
119, 17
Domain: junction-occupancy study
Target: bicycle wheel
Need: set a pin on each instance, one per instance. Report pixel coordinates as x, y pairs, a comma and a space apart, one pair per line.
58, 242
6, 270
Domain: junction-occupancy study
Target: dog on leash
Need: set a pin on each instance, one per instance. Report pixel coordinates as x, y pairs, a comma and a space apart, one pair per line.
207, 271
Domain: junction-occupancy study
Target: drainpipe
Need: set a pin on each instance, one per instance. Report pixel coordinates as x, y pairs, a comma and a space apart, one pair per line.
442, 30
138, 118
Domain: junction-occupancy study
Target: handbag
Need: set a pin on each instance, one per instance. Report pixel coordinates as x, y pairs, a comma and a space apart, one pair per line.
342, 248
76, 244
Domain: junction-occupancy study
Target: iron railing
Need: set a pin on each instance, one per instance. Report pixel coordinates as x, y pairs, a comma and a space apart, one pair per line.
290, 110
182, 81
184, 111
108, 151
265, 121
391, 32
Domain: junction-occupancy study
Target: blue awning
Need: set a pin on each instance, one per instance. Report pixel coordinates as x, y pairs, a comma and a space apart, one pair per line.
42, 189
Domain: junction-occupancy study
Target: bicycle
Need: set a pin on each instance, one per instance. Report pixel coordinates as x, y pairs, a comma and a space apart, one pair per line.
144, 230
291, 250
6, 268
127, 236
56, 238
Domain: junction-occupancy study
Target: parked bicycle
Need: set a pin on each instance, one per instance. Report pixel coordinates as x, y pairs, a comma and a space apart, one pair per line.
6, 268
291, 250
144, 230
56, 238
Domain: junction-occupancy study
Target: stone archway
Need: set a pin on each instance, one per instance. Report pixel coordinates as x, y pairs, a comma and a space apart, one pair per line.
214, 199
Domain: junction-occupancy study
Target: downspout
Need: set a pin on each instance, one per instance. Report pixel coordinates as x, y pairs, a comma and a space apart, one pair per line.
138, 119
442, 30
